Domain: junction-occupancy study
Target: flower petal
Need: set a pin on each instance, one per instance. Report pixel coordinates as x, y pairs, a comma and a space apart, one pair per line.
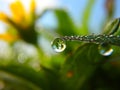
18, 11
7, 37
3, 17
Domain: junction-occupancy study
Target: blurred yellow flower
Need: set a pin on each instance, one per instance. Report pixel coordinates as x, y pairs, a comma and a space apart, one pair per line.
19, 15
8, 37
18, 11
32, 6
22, 20
3, 17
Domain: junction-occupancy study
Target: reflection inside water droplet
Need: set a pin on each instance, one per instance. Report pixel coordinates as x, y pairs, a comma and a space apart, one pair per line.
58, 45
105, 50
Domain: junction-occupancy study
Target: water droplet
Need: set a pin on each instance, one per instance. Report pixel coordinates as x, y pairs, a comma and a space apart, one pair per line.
105, 50
58, 45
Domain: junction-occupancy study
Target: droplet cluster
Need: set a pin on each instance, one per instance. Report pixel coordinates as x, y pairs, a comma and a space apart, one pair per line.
98, 39
104, 40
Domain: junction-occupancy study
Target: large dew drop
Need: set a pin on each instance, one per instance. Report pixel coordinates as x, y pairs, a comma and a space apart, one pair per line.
105, 50
58, 45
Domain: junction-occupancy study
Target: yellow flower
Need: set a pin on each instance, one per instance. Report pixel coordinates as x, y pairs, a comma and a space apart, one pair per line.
18, 12
19, 15
3, 17
22, 20
32, 6
8, 37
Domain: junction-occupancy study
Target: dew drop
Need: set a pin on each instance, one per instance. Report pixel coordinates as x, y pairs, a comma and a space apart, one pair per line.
105, 50
58, 45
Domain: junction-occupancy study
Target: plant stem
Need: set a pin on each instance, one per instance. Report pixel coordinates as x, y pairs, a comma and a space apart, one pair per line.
98, 39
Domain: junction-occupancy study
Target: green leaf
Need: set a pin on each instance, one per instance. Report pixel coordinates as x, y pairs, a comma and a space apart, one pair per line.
10, 81
86, 17
80, 66
112, 26
31, 78
53, 78
65, 23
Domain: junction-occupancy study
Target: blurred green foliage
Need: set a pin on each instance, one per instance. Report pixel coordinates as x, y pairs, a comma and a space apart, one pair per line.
79, 67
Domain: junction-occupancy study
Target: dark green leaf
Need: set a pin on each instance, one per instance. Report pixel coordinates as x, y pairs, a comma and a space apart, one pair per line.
80, 66
53, 78
65, 23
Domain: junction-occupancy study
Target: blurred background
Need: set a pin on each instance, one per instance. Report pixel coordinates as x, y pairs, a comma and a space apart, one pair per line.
74, 8
27, 28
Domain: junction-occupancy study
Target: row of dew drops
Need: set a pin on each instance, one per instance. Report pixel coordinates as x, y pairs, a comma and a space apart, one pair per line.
104, 49
59, 45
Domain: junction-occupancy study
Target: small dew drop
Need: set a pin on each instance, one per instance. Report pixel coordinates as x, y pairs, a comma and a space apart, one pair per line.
105, 50
58, 45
